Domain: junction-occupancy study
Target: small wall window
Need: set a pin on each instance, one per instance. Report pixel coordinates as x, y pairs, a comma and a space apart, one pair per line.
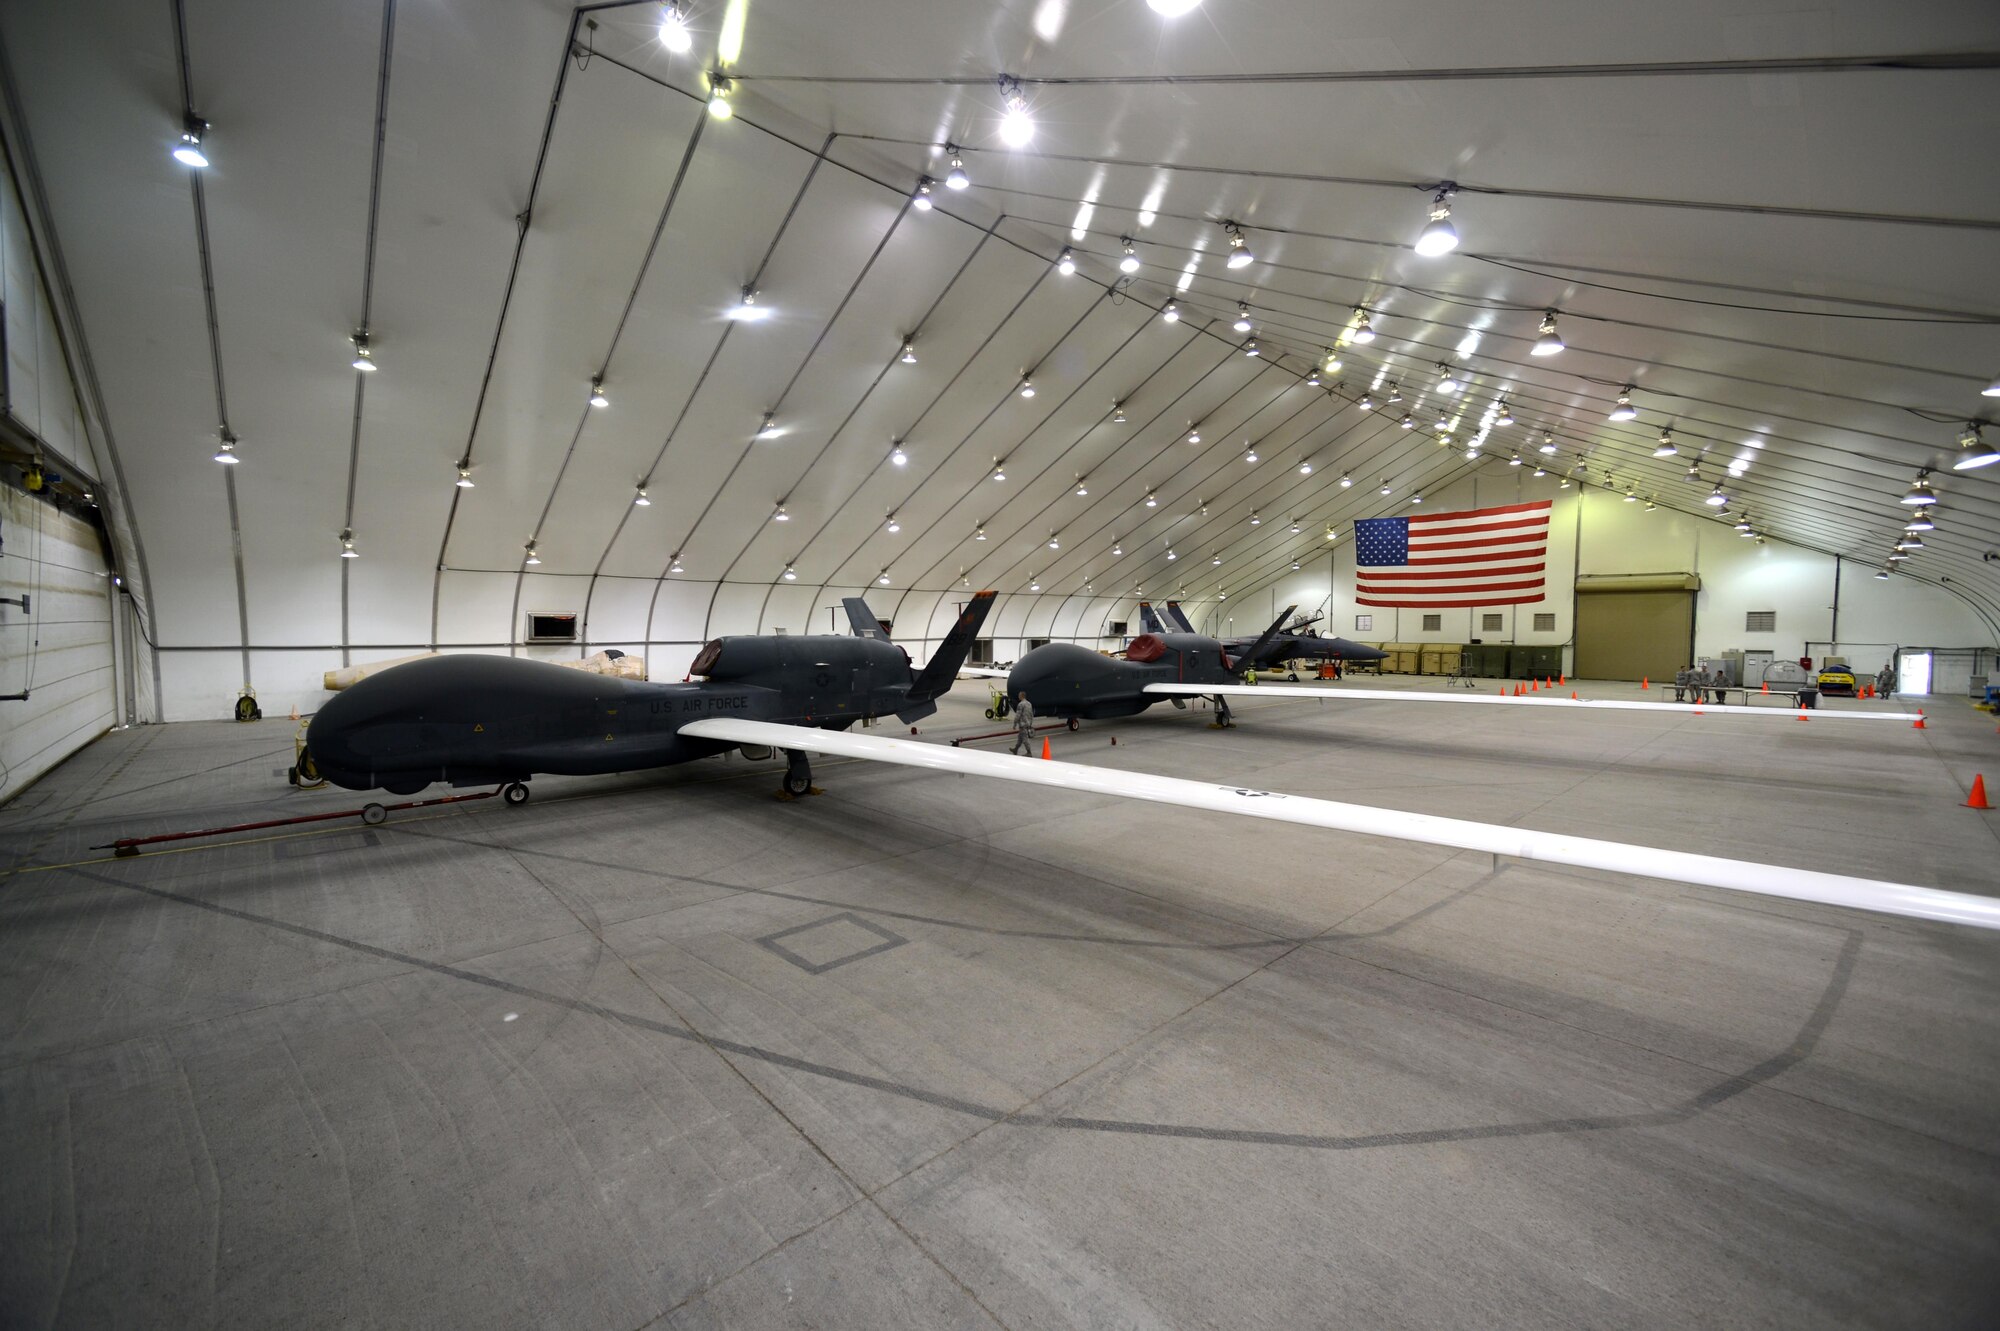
982, 649
1489, 623
1117, 628
1545, 623
1037, 642
1761, 621
1364, 623
1433, 623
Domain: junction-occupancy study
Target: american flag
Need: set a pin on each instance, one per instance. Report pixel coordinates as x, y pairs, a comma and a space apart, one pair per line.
1485, 556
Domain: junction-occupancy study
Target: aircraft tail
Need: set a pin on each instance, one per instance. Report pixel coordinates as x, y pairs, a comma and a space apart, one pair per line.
1148, 621
1250, 659
1178, 618
863, 619
942, 668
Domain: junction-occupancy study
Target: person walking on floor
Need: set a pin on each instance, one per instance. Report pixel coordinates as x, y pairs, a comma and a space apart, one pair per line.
1024, 727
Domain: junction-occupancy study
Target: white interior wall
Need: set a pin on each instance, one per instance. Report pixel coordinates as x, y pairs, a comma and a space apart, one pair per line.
59, 651
1591, 532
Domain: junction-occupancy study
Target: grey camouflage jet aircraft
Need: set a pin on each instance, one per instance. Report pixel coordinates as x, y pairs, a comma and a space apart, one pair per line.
474, 720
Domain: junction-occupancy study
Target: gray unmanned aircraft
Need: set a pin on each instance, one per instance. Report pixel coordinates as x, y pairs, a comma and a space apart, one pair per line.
474, 720
1064, 680
1297, 642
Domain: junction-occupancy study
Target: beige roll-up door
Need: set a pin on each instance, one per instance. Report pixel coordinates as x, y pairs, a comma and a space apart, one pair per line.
1633, 634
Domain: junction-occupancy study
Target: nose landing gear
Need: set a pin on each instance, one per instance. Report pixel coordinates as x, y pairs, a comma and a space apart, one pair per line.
514, 793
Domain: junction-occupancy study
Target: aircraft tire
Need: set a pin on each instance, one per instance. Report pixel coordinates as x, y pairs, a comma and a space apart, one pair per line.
514, 793
990, 716
798, 783
374, 815
1075, 723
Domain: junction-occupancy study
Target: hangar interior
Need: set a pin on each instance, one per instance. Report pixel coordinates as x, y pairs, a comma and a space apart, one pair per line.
340, 334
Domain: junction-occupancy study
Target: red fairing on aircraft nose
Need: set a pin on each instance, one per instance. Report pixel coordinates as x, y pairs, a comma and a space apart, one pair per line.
1146, 648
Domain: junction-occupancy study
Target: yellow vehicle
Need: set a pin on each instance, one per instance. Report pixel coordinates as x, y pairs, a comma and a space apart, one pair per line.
1836, 680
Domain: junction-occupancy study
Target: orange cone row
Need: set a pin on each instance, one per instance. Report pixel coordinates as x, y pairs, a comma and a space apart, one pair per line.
1977, 799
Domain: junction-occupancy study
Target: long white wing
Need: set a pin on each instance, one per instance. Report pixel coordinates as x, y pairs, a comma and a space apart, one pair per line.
982, 672
1599, 704
1924, 903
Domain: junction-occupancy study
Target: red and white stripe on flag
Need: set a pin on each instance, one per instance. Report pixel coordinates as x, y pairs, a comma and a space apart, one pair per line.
1486, 556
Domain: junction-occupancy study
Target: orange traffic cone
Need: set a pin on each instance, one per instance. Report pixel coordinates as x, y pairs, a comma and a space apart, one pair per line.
1767, 686
1572, 695
1046, 755
1803, 716
295, 711
1645, 683
1977, 799
1560, 679
1918, 724
1534, 686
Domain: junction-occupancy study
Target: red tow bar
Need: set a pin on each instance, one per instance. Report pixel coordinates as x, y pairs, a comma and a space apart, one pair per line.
367, 813
1002, 734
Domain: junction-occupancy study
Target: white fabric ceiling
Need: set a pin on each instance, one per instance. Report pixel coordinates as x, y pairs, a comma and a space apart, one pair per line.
1830, 320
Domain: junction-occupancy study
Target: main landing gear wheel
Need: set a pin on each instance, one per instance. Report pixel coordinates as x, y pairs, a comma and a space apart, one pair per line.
798, 776
374, 815
514, 793
990, 716
1075, 723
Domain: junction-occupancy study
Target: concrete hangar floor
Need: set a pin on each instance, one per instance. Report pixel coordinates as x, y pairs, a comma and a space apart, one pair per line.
662, 1051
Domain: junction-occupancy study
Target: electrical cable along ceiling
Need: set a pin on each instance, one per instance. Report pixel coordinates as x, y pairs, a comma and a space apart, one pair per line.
506, 310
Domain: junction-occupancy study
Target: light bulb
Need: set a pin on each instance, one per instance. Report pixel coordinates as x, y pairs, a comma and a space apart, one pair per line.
1624, 411
892, 526
1548, 444
1973, 450
1255, 520
1172, 312
674, 34
1130, 263
884, 578
897, 455
1367, 402
1250, 455
1171, 556
1332, 362
675, 566
1117, 414
464, 481
1027, 388
1172, 8
1439, 236
1550, 341
1416, 499
1882, 573
1242, 324
1447, 381
597, 398
1716, 498
1216, 560
1541, 470
187, 149
1239, 248
226, 454
1408, 422
1312, 379
1631, 497
1251, 348
1345, 480
718, 97
1117, 547
640, 501
999, 470
791, 574
781, 515
1066, 262
1921, 520
1506, 413
1295, 526
1152, 500
980, 535
1194, 434
1920, 494
909, 352
1395, 393
1514, 461
532, 558
1364, 328
1665, 448
1082, 489
1385, 487
769, 429
746, 309
1991, 390
1055, 541
1017, 127
1305, 469
364, 358
957, 179
922, 197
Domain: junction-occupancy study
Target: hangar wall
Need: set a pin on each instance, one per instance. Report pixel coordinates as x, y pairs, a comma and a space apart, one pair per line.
1592, 532
59, 651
